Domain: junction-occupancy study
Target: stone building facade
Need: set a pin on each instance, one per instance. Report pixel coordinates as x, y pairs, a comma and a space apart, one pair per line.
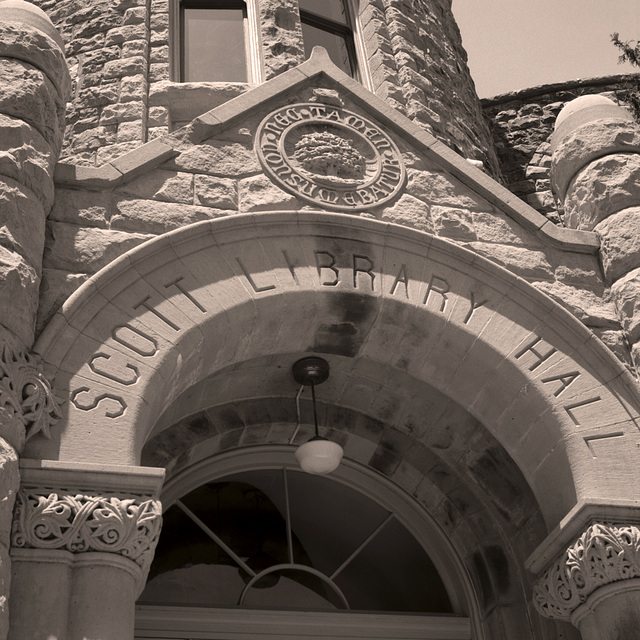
172, 246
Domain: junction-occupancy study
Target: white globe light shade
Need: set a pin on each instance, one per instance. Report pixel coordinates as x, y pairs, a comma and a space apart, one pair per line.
319, 456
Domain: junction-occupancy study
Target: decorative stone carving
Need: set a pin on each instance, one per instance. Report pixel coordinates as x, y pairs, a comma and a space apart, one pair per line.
330, 156
603, 554
87, 522
26, 394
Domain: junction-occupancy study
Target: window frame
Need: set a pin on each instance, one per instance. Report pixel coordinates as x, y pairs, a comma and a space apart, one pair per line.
253, 55
159, 621
354, 41
155, 623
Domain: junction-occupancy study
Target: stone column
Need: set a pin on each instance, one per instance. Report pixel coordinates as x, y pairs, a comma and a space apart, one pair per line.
27, 407
596, 174
595, 584
83, 539
34, 87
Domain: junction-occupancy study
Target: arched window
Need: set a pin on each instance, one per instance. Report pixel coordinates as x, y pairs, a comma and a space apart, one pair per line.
252, 546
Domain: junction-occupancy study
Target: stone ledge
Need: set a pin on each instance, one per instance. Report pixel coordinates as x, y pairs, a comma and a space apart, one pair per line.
91, 477
121, 170
569, 239
527, 94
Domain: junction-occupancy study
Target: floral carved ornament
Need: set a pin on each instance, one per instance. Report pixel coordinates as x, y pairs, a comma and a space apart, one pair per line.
25, 394
80, 522
603, 554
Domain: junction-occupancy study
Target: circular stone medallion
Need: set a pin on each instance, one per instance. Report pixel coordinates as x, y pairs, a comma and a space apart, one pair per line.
330, 156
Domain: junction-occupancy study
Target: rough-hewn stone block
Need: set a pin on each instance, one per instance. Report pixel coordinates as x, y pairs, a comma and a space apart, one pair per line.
27, 158
168, 186
607, 185
410, 212
215, 192
524, 262
620, 243
148, 216
260, 194
219, 158
19, 283
79, 250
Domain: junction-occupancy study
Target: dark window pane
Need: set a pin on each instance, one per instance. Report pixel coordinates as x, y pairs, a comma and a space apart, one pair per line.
214, 47
393, 573
331, 9
334, 43
329, 534
247, 511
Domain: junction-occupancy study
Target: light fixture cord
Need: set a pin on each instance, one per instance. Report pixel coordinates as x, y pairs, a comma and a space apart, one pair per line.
295, 433
315, 414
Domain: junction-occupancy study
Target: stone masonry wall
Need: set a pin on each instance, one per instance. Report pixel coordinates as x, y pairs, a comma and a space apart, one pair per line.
119, 55
107, 45
419, 67
522, 124
222, 176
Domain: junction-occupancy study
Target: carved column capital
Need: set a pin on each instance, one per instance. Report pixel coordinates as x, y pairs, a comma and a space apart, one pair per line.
603, 554
27, 403
84, 522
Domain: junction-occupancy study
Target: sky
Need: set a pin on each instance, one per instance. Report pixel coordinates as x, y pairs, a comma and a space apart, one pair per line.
515, 44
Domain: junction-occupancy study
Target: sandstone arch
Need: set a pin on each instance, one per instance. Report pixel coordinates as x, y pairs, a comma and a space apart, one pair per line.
176, 310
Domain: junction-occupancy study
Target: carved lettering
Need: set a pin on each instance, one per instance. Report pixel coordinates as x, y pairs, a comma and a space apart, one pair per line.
145, 303
327, 195
365, 196
357, 268
541, 357
187, 294
590, 439
136, 340
474, 305
291, 266
403, 278
322, 263
108, 397
440, 287
254, 286
301, 184
123, 379
565, 379
583, 403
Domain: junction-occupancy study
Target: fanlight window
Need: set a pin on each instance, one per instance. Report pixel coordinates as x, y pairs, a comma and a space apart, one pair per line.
282, 539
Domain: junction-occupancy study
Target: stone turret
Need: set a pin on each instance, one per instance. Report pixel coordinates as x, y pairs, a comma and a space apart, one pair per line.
33, 94
596, 175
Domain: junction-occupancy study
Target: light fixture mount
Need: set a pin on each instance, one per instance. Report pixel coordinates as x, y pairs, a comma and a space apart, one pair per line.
311, 370
318, 456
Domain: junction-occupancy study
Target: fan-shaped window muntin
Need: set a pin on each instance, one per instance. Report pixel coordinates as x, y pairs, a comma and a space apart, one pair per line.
314, 542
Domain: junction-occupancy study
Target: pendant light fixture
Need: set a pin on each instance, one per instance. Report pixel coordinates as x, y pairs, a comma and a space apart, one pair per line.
318, 456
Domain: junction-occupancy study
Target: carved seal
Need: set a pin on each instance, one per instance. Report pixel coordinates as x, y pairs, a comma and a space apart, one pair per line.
604, 553
330, 156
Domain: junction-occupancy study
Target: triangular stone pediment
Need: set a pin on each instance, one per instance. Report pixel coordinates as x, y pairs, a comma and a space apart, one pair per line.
276, 141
